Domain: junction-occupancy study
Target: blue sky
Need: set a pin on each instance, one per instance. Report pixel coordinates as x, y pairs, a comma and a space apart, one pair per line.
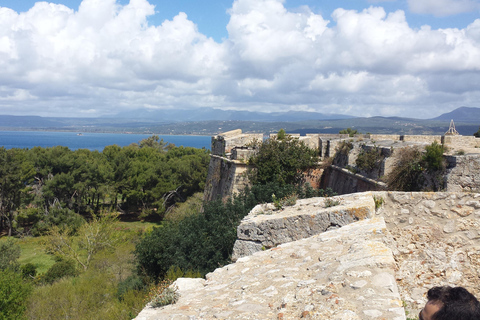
211, 16
416, 58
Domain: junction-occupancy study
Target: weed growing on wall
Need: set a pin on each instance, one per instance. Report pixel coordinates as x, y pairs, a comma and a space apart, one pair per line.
418, 171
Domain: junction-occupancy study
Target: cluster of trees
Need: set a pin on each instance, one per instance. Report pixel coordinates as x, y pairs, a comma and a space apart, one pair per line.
41, 187
72, 199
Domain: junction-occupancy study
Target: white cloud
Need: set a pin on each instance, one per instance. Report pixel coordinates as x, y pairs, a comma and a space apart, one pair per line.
441, 8
105, 58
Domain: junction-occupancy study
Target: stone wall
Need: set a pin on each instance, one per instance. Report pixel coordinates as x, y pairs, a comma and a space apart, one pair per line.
343, 181
463, 173
225, 142
225, 177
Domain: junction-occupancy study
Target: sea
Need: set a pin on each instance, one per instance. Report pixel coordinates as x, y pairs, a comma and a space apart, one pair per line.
90, 141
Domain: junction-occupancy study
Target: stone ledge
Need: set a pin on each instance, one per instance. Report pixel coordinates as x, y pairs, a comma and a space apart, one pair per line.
266, 228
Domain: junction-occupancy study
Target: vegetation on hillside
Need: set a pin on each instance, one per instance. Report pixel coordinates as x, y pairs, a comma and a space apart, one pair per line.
43, 187
71, 200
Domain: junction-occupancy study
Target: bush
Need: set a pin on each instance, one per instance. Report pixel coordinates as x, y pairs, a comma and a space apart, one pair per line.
29, 271
61, 269
60, 217
162, 294
91, 295
370, 159
351, 132
9, 254
281, 161
14, 292
407, 173
415, 171
132, 283
433, 157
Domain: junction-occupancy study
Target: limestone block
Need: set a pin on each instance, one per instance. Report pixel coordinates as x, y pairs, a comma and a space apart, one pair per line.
308, 217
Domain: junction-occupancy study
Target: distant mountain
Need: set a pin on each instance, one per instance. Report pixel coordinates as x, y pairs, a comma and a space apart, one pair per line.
30, 121
462, 114
207, 114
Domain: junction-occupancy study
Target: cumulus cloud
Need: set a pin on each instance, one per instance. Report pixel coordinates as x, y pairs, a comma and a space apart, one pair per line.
441, 8
106, 57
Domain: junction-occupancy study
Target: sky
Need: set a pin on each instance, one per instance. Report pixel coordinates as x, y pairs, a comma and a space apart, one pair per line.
91, 58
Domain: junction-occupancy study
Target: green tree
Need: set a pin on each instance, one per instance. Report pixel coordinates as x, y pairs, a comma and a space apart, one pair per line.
14, 292
433, 157
281, 135
477, 134
93, 237
282, 161
351, 132
16, 173
9, 254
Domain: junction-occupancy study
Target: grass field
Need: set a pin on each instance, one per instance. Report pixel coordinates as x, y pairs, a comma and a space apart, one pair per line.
32, 248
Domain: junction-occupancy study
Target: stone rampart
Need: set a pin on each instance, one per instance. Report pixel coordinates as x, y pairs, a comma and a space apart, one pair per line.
225, 142
224, 178
267, 227
343, 181
421, 138
463, 173
460, 142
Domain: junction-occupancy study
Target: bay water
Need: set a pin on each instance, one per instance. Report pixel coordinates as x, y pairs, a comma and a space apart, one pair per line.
90, 141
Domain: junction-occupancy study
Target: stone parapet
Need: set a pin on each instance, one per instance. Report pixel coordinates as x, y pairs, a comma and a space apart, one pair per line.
266, 227
421, 138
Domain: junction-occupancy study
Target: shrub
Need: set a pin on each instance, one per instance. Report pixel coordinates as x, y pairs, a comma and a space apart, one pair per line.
29, 271
133, 282
61, 269
9, 254
378, 201
91, 295
162, 294
407, 172
368, 160
281, 161
330, 202
351, 132
415, 171
14, 292
57, 216
434, 157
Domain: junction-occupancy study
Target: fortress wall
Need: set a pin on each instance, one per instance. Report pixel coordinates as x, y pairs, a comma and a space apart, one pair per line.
421, 138
435, 241
343, 181
459, 142
242, 153
463, 173
380, 137
434, 237
225, 178
225, 142
218, 145
311, 140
